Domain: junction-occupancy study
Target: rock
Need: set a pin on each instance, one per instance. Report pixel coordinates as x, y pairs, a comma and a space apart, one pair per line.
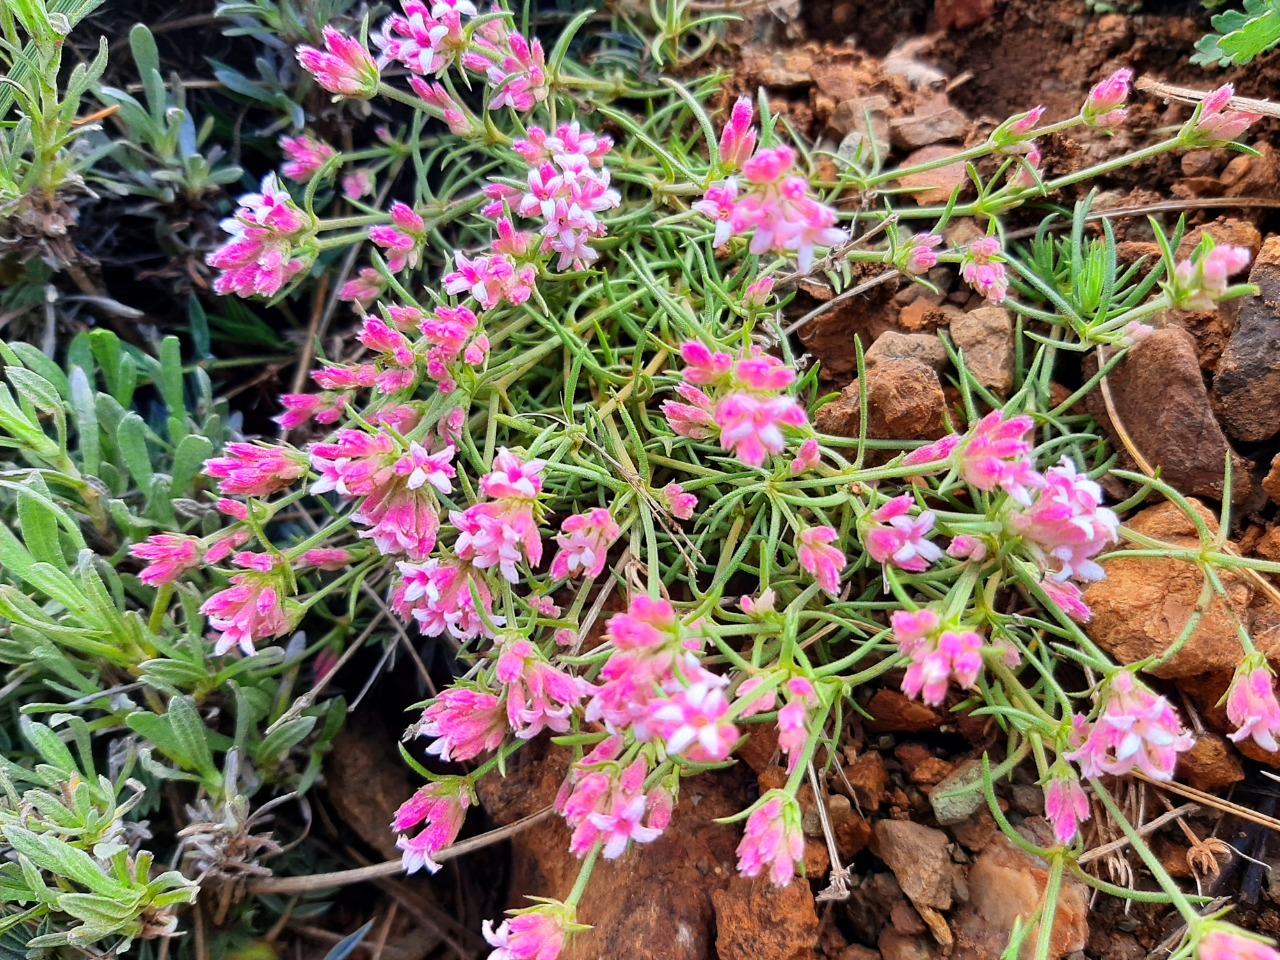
962, 14
925, 315
921, 766
1211, 329
897, 946
937, 185
1224, 230
959, 796
1211, 765
933, 121
869, 780
369, 781
857, 952
1005, 883
757, 921
852, 831
919, 859
892, 712
1272, 482
1160, 398
1145, 603
904, 401
985, 337
863, 115
1246, 387
976, 833
924, 347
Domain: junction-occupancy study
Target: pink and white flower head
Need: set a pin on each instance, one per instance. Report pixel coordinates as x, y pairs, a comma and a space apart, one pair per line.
256, 470
492, 280
357, 184
168, 556
444, 106
752, 426
1069, 598
604, 802
267, 233
440, 807
819, 558
677, 501
693, 719
512, 478
1199, 283
253, 608
584, 542
1226, 942
305, 156
807, 457
363, 289
402, 239
919, 254
1104, 106
793, 719
441, 596
937, 655
426, 38
1134, 730
537, 933
344, 67
738, 139
892, 535
773, 839
997, 453
982, 267
1214, 124
464, 722
1065, 804
1067, 526
1251, 704
326, 558
514, 66
539, 697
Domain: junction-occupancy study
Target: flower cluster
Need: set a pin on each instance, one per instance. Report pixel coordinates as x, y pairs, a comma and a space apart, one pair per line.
1201, 282
439, 808
605, 802
1134, 730
767, 199
267, 248
255, 606
937, 655
982, 267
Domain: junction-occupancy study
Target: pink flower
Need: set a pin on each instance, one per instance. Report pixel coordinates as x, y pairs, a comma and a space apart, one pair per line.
492, 279
584, 544
442, 806
536, 934
738, 139
252, 608
1134, 730
326, 407
982, 267
1213, 124
1228, 943
464, 722
441, 596
364, 289
893, 536
772, 839
757, 294
937, 657
539, 697
327, 558
965, 547
1104, 106
344, 66
603, 802
692, 719
425, 39
306, 156
917, 255
513, 478
751, 426
1065, 803
267, 230
1025, 123
681, 504
793, 719
498, 534
1251, 704
1199, 283
1069, 599
997, 454
256, 470
514, 66
169, 556
808, 457
694, 419
568, 194
444, 106
357, 184
819, 558
1067, 525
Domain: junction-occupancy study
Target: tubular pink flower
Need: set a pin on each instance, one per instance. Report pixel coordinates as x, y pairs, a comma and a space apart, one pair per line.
949, 655
442, 806
440, 596
1069, 598
996, 453
891, 535
169, 556
808, 457
344, 67
1065, 804
327, 558
1134, 730
539, 697
752, 426
680, 504
357, 184
1104, 106
793, 719
1215, 123
265, 233
691, 720
426, 39
537, 934
464, 722
584, 543
819, 558
772, 839
252, 608
514, 66
1228, 943
364, 289
757, 294
738, 139
1251, 704
603, 802
982, 267
1066, 526
256, 470
305, 156
1199, 283
918, 254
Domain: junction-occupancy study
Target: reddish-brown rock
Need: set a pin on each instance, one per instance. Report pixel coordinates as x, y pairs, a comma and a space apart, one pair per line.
963, 14
936, 185
1246, 384
1211, 765
919, 858
1271, 483
925, 347
985, 339
904, 402
893, 712
867, 775
757, 921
